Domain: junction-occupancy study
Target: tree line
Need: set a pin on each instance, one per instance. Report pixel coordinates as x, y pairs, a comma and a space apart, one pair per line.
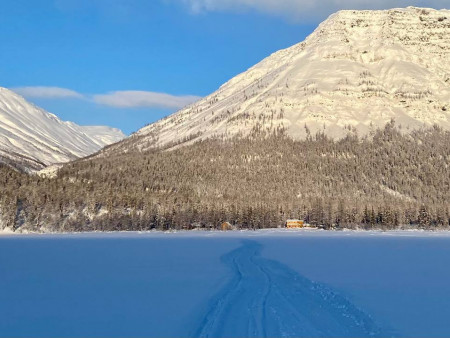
387, 180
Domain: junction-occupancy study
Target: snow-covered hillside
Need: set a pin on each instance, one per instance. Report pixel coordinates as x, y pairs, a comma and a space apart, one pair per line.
34, 138
356, 71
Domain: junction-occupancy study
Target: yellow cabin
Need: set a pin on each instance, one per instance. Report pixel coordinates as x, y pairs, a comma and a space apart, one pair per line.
226, 226
294, 223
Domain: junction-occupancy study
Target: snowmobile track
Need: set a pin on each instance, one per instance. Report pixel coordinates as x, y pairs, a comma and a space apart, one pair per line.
266, 298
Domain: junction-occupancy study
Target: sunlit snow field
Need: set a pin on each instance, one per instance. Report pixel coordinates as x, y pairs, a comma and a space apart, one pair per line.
263, 283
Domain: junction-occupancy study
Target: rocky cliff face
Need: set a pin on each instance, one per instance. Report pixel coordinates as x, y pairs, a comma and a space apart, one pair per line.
355, 72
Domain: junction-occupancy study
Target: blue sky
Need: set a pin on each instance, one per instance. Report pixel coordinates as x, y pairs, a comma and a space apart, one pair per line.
127, 63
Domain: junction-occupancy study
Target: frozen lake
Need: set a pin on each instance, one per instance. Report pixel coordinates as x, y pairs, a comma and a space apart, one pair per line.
263, 283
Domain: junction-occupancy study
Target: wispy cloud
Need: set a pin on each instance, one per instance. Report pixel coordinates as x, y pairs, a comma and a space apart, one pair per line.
118, 99
303, 9
134, 99
47, 92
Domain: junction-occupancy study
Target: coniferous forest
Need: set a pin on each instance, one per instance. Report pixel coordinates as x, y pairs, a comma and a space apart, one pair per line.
387, 180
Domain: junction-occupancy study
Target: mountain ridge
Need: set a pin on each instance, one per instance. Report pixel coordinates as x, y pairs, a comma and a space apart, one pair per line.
33, 138
356, 72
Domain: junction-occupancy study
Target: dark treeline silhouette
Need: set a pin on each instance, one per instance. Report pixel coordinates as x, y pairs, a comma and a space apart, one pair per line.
385, 181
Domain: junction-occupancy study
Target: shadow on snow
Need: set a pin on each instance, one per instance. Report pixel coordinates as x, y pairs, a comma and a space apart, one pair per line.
267, 298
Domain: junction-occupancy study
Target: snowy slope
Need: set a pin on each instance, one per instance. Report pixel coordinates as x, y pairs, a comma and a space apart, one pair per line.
356, 71
103, 135
35, 138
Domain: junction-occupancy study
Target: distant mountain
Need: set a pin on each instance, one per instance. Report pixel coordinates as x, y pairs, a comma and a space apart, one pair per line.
32, 138
356, 71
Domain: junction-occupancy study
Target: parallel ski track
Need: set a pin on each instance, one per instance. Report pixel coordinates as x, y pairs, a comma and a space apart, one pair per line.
265, 298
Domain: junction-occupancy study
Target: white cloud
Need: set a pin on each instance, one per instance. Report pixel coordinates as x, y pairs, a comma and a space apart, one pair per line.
304, 9
47, 92
120, 99
134, 99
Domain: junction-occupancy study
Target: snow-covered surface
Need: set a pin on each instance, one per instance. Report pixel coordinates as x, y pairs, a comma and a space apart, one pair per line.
357, 70
51, 171
274, 282
103, 135
39, 138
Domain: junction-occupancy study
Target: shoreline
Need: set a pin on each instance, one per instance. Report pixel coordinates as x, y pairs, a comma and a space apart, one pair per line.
276, 232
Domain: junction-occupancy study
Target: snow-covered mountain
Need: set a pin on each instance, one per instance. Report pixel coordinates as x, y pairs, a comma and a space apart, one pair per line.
34, 138
356, 71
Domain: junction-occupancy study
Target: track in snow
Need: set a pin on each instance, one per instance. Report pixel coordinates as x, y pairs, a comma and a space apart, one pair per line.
267, 298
